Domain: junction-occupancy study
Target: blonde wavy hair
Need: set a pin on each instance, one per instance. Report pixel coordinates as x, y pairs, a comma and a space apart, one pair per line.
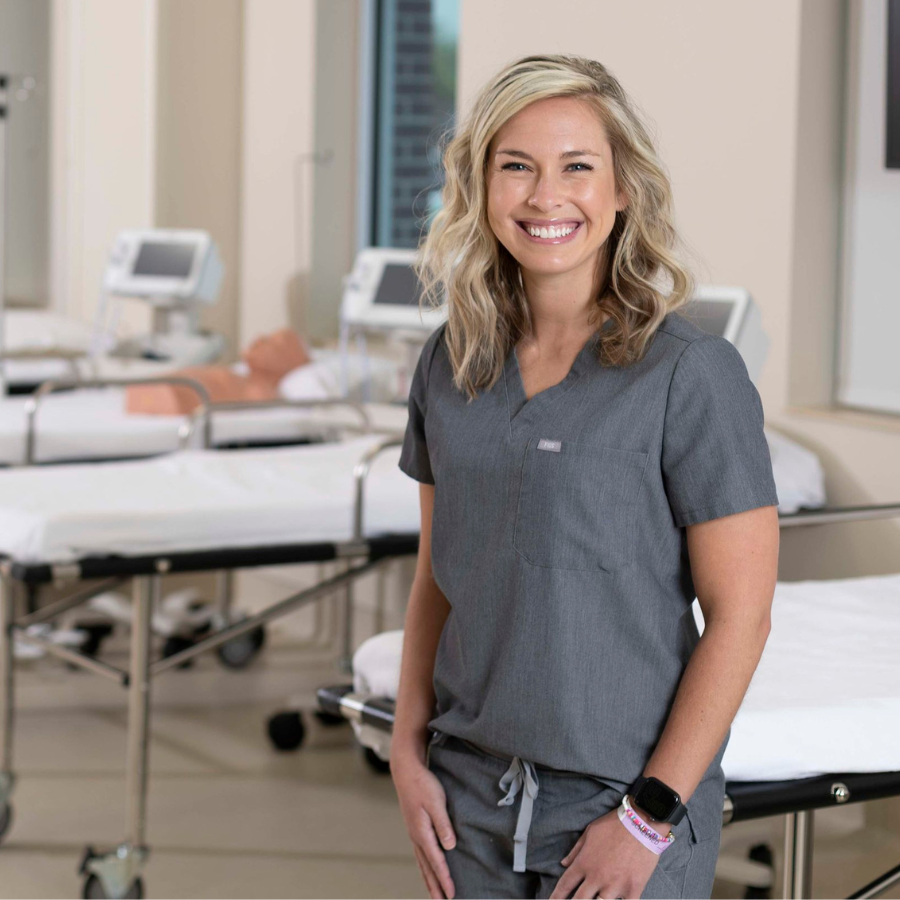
460, 260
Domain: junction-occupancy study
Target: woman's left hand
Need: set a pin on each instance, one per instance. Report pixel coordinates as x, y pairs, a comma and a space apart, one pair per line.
607, 861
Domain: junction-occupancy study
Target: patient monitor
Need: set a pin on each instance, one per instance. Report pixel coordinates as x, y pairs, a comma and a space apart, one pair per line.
730, 313
381, 294
176, 271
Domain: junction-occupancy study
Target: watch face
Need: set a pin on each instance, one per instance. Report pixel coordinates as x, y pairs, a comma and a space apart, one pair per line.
658, 800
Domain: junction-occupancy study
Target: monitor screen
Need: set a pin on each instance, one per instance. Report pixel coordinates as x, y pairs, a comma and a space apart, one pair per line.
711, 316
156, 260
398, 286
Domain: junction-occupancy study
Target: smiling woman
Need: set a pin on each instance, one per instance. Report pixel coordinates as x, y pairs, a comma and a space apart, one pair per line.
571, 431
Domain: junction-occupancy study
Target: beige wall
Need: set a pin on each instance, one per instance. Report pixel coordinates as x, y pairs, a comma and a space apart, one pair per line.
198, 135
746, 99
145, 131
279, 66
103, 142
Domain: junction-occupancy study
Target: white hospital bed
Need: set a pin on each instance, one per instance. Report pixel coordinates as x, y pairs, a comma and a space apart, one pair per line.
188, 512
91, 423
828, 678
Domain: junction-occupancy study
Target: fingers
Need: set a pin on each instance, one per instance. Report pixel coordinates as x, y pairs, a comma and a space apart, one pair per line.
567, 859
431, 882
442, 827
566, 885
428, 844
588, 891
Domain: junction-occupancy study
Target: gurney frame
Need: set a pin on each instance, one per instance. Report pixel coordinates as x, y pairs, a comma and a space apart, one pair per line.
117, 873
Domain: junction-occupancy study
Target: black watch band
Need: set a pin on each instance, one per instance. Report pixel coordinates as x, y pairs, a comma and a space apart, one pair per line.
657, 799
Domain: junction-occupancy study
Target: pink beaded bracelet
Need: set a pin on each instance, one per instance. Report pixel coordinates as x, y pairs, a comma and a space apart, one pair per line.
643, 832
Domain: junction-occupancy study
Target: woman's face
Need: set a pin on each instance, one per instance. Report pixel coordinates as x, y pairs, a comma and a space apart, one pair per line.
551, 191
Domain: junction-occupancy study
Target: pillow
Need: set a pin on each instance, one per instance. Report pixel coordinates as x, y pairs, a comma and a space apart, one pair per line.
313, 381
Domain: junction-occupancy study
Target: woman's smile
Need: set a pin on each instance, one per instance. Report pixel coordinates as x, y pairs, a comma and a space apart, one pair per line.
550, 233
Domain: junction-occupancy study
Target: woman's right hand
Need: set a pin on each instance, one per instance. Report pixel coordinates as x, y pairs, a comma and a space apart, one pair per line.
423, 803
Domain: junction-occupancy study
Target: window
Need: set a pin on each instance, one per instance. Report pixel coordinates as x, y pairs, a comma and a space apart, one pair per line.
414, 104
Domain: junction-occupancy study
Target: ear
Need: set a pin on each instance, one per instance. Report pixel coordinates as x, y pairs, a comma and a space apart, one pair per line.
621, 201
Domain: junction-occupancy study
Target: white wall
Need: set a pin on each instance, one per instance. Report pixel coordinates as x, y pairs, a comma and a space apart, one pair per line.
869, 374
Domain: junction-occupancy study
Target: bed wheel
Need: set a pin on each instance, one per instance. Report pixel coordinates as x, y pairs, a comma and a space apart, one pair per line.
93, 889
761, 853
5, 819
328, 719
175, 644
286, 730
240, 651
95, 637
376, 762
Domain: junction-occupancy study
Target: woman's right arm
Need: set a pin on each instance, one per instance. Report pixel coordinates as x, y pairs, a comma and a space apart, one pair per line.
422, 798
426, 614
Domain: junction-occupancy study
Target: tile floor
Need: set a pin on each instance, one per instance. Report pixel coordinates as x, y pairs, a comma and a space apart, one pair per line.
230, 817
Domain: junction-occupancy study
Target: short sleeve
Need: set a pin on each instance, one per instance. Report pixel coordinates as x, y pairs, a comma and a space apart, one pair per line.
715, 456
414, 458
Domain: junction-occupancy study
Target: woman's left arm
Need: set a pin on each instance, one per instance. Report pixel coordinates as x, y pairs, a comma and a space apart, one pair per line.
734, 565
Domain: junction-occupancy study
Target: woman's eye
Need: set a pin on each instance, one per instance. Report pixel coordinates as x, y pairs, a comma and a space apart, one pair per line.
519, 167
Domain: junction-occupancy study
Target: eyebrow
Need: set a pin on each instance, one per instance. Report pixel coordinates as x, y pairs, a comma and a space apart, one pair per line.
567, 155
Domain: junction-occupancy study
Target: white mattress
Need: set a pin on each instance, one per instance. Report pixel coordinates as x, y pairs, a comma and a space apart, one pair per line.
826, 694
824, 699
200, 500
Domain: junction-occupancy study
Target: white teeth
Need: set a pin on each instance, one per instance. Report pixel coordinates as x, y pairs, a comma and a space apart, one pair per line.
552, 232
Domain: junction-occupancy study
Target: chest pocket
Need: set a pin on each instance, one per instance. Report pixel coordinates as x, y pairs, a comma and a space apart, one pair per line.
578, 504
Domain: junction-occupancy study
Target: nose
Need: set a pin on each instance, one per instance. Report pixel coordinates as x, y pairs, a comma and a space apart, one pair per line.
546, 194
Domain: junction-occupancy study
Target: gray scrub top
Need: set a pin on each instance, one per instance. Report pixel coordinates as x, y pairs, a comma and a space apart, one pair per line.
558, 539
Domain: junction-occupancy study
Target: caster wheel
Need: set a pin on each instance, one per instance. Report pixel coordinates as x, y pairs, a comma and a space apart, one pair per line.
329, 720
376, 762
286, 730
96, 635
5, 819
761, 853
175, 644
240, 651
93, 889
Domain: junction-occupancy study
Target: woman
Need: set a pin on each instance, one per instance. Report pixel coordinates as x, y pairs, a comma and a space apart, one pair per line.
589, 461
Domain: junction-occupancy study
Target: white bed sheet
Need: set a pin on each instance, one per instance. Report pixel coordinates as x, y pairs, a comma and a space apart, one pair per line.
93, 424
824, 699
826, 694
200, 500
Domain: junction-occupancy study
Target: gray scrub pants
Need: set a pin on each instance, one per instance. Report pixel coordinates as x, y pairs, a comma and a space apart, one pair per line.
514, 821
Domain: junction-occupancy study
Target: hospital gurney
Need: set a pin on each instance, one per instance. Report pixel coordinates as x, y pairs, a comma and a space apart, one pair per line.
794, 744
87, 420
182, 616
188, 512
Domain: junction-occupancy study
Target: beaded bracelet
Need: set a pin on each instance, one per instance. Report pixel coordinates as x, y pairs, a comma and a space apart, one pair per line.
643, 832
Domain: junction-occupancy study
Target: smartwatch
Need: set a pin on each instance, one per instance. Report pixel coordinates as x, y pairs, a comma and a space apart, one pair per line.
657, 799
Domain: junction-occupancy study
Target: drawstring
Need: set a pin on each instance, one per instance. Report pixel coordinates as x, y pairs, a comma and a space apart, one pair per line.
520, 772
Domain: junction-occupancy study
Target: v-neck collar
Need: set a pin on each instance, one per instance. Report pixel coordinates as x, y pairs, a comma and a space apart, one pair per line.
524, 412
